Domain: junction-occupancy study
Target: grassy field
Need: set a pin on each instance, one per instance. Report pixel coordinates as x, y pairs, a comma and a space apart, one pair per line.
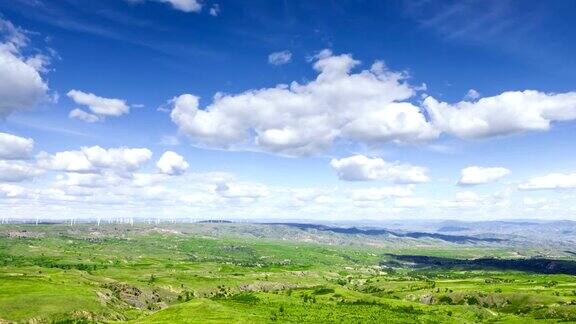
157, 274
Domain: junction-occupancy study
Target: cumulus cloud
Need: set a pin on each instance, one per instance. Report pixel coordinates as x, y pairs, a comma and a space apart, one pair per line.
99, 106
127, 159
21, 83
304, 119
70, 161
16, 171
14, 147
172, 163
363, 168
280, 58
371, 107
507, 113
93, 159
550, 181
475, 175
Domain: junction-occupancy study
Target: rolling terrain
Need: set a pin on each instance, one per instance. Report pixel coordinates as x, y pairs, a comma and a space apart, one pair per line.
240, 272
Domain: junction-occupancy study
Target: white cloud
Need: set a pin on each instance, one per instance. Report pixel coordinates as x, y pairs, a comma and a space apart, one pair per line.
169, 140
12, 36
99, 106
507, 113
198, 198
322, 199
410, 202
305, 195
463, 199
200, 195
304, 119
534, 201
550, 181
147, 179
363, 168
123, 159
92, 159
376, 194
185, 5
70, 161
182, 5
215, 10
21, 83
467, 196
14, 147
241, 190
84, 116
479, 175
472, 95
280, 58
86, 180
73, 191
17, 171
172, 163
12, 191
369, 107
400, 122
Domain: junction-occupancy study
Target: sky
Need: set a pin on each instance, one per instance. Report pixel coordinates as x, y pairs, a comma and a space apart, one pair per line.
319, 110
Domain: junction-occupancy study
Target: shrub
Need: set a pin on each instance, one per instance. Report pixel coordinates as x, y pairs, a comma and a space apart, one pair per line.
323, 291
445, 300
246, 298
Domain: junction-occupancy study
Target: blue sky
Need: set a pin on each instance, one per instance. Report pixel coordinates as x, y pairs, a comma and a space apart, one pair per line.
287, 109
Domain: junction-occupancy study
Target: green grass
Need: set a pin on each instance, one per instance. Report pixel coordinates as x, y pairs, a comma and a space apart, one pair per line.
142, 275
23, 293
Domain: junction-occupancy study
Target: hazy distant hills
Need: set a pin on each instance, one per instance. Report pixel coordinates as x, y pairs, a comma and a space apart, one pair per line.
532, 234
523, 237
562, 231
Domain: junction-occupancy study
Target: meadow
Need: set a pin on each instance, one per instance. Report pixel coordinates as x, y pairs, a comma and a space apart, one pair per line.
202, 273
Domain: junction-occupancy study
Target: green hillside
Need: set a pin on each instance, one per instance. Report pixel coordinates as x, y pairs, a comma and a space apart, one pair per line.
148, 274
